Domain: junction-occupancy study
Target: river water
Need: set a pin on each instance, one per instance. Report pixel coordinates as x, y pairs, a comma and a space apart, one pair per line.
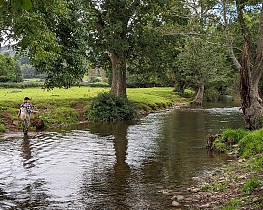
122, 166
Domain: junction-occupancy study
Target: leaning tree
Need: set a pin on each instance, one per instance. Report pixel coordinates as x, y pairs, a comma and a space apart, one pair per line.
250, 63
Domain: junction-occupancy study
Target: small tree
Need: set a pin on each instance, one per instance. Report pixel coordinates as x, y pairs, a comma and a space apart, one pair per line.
202, 65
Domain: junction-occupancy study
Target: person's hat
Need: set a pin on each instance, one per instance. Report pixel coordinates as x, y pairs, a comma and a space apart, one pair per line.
26, 98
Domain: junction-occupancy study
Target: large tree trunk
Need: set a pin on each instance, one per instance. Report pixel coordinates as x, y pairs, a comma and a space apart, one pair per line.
199, 96
250, 69
251, 103
250, 73
118, 85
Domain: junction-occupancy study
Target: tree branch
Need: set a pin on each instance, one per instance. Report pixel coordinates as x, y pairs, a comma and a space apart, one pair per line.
228, 38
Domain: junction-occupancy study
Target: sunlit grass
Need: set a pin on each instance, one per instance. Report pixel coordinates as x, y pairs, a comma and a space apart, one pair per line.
61, 106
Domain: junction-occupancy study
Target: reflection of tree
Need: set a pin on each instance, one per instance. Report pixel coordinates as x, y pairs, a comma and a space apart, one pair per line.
116, 186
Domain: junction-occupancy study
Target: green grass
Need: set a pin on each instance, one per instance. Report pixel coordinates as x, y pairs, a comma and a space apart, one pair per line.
62, 106
153, 98
250, 185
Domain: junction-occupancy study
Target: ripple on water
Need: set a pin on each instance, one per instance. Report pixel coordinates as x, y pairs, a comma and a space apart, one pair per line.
111, 166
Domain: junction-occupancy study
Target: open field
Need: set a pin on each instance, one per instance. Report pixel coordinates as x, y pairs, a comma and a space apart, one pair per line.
67, 106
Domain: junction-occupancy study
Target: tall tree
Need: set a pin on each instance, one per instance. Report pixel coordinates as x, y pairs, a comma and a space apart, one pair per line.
250, 65
52, 35
119, 29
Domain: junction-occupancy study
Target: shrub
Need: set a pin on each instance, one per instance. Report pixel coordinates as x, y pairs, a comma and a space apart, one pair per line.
109, 107
21, 84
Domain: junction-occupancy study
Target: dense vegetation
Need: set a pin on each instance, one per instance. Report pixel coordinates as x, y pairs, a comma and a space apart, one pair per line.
206, 47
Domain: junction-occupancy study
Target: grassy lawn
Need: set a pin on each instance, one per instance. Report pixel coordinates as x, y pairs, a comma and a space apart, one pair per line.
66, 106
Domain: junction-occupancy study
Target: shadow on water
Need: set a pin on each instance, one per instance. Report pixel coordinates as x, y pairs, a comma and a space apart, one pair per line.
120, 165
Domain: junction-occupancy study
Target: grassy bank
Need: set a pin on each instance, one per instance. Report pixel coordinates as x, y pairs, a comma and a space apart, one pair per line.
238, 185
67, 106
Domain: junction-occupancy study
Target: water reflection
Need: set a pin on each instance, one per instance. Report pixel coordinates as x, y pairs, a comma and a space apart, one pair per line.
120, 165
26, 152
114, 188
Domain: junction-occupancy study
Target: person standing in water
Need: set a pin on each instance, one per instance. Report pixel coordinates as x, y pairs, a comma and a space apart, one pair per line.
24, 113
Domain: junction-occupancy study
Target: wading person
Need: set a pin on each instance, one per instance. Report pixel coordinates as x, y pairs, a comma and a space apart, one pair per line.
24, 114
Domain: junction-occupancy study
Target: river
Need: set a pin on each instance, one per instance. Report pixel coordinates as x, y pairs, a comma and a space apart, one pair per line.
111, 166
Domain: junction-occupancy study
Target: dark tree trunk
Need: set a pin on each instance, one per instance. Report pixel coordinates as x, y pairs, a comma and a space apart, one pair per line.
250, 73
250, 68
251, 103
198, 101
118, 85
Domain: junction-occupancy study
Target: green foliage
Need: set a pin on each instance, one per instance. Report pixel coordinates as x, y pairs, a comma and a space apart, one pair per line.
9, 70
2, 126
53, 37
195, 69
251, 185
143, 80
228, 138
211, 94
21, 84
220, 146
109, 107
188, 93
59, 116
232, 205
257, 163
252, 144
233, 136
216, 186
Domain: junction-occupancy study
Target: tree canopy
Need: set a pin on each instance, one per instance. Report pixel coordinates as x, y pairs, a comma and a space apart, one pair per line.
165, 39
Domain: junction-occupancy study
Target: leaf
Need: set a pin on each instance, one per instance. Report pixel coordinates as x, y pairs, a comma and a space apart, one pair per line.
27, 4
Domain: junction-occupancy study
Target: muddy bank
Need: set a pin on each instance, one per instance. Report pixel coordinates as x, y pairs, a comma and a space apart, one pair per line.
233, 186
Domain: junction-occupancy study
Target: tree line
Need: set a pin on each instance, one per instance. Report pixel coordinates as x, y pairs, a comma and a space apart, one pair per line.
206, 44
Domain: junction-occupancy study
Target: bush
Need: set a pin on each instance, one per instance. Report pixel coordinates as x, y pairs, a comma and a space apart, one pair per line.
211, 94
109, 107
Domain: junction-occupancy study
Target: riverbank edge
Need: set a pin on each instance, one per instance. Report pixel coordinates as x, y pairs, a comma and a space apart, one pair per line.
234, 185
73, 113
218, 182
